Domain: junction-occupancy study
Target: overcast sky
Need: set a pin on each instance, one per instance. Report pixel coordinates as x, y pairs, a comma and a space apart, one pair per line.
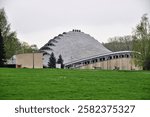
37, 21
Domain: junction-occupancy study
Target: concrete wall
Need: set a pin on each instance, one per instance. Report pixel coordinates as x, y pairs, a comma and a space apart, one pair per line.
26, 60
120, 63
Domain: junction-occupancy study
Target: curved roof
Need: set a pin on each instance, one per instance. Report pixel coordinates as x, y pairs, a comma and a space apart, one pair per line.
74, 45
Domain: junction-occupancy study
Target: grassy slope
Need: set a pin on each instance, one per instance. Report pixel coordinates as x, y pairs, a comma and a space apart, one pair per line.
73, 84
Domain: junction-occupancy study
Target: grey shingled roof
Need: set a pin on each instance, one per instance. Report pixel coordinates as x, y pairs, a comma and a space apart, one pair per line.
73, 45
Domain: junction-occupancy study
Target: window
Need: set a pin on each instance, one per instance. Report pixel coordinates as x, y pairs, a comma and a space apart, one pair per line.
127, 56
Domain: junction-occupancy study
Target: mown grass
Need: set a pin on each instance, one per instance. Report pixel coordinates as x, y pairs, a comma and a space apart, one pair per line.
57, 84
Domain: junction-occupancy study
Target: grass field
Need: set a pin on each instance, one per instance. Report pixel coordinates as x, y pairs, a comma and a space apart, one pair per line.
73, 84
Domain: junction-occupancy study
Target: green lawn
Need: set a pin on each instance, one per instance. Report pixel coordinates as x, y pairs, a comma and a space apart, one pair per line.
47, 84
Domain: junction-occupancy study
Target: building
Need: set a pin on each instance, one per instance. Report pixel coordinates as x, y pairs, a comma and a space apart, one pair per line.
29, 60
80, 50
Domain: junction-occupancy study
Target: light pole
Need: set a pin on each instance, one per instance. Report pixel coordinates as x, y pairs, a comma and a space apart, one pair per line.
33, 48
33, 58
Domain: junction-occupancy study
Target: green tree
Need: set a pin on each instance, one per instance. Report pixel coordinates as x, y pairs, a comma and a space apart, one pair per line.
141, 43
11, 43
3, 20
2, 51
60, 61
52, 61
26, 48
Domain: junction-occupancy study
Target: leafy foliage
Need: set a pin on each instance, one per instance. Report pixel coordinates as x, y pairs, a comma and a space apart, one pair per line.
141, 43
12, 45
2, 51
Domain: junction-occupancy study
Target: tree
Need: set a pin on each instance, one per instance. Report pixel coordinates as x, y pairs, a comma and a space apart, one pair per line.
3, 20
11, 43
141, 43
2, 51
52, 61
60, 61
26, 48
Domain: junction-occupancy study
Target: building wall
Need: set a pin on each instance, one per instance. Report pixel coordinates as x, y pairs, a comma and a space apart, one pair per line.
120, 63
26, 60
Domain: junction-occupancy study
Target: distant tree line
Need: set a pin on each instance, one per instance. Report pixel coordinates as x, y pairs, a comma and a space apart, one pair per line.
119, 43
